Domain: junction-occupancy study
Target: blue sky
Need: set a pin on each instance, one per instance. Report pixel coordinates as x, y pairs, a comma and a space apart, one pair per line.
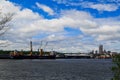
58, 5
67, 25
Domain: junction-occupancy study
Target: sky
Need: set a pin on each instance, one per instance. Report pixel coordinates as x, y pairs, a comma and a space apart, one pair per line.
62, 25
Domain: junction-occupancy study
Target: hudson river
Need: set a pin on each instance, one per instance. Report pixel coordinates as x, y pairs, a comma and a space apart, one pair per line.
61, 69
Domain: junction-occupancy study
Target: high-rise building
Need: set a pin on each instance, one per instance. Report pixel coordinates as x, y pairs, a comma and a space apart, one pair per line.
100, 49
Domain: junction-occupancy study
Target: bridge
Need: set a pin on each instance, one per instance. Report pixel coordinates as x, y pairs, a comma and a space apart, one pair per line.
76, 55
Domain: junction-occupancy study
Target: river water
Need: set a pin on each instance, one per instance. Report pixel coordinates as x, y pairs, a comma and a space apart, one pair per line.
60, 69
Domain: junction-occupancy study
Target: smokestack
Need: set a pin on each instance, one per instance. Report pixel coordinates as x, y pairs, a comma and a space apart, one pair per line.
31, 48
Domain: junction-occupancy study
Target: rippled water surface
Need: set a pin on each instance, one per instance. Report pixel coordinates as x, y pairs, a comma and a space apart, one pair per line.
69, 69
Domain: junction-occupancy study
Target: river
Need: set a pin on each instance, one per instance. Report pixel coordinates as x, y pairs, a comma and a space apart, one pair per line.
60, 69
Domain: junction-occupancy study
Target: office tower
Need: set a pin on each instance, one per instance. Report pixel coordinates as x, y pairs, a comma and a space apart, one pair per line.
101, 49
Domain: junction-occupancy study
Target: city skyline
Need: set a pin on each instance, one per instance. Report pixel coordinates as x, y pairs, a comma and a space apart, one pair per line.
65, 25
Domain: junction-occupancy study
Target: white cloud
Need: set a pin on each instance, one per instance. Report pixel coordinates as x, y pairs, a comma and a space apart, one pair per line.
61, 1
102, 7
27, 24
98, 5
45, 8
7, 7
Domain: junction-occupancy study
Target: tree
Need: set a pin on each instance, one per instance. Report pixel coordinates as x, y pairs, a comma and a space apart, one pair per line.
116, 68
4, 22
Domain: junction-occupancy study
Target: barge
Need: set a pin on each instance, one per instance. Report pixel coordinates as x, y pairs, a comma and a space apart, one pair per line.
42, 55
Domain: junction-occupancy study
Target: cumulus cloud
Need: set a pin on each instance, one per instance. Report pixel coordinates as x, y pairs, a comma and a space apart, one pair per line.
7, 7
27, 24
45, 8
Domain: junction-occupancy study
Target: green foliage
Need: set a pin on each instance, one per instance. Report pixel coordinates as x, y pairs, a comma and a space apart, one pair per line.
8, 52
116, 68
4, 52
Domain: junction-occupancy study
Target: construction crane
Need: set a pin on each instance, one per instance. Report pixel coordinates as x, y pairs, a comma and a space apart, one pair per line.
42, 47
